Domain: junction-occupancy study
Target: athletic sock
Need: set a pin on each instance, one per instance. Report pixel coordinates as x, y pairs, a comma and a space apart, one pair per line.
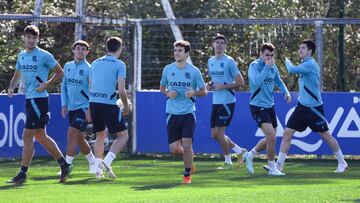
187, 172
340, 157
281, 158
69, 159
253, 153
271, 165
109, 158
237, 149
23, 169
90, 157
228, 159
62, 162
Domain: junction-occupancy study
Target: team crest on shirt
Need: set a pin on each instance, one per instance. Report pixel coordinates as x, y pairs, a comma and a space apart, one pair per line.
81, 72
222, 65
173, 74
187, 75
34, 59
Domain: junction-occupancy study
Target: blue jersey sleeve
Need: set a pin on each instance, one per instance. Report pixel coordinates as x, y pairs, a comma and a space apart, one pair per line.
300, 69
256, 76
18, 66
122, 71
164, 81
199, 80
280, 84
234, 70
49, 60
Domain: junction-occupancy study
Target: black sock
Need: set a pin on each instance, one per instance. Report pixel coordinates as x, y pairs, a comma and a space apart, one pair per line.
23, 169
62, 162
187, 172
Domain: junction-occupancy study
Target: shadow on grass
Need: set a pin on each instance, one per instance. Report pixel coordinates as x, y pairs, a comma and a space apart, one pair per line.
88, 181
156, 186
350, 200
42, 178
11, 186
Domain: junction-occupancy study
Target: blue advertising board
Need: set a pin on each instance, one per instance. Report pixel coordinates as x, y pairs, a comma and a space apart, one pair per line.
342, 112
12, 122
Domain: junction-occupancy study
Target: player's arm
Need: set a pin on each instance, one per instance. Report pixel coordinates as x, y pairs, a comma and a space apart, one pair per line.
257, 77
163, 84
280, 84
123, 95
64, 97
292, 69
59, 73
14, 81
200, 84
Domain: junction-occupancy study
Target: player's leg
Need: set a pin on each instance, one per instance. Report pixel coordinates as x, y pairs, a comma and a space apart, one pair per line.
334, 145
51, 146
86, 150
188, 159
269, 131
218, 133
187, 135
77, 128
296, 122
27, 155
116, 125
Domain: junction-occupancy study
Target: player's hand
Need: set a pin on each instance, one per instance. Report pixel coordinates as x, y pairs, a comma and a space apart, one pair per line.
126, 110
218, 86
10, 92
189, 94
64, 111
270, 61
171, 94
209, 86
288, 98
88, 116
42, 87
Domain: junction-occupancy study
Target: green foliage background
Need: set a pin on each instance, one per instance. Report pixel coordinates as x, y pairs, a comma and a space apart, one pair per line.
157, 40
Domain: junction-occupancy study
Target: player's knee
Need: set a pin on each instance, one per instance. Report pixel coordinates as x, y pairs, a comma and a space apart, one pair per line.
271, 139
177, 151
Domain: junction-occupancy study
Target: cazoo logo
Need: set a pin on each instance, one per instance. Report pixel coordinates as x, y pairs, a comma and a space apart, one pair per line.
351, 116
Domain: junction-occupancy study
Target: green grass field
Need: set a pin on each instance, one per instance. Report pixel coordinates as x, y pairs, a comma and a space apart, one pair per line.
144, 179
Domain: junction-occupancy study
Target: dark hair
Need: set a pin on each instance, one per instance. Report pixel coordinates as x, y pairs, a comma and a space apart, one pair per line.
32, 30
81, 43
113, 44
267, 46
220, 36
183, 43
310, 45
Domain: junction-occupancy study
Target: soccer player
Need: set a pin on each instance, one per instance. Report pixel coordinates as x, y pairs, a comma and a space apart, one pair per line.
263, 76
225, 78
34, 64
181, 83
309, 111
106, 72
75, 101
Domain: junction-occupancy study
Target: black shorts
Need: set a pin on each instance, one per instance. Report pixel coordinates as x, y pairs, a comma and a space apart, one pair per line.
106, 115
77, 119
221, 114
304, 117
180, 126
264, 115
37, 113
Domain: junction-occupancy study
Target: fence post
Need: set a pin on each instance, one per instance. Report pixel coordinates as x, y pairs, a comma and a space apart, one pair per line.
137, 76
319, 49
79, 29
